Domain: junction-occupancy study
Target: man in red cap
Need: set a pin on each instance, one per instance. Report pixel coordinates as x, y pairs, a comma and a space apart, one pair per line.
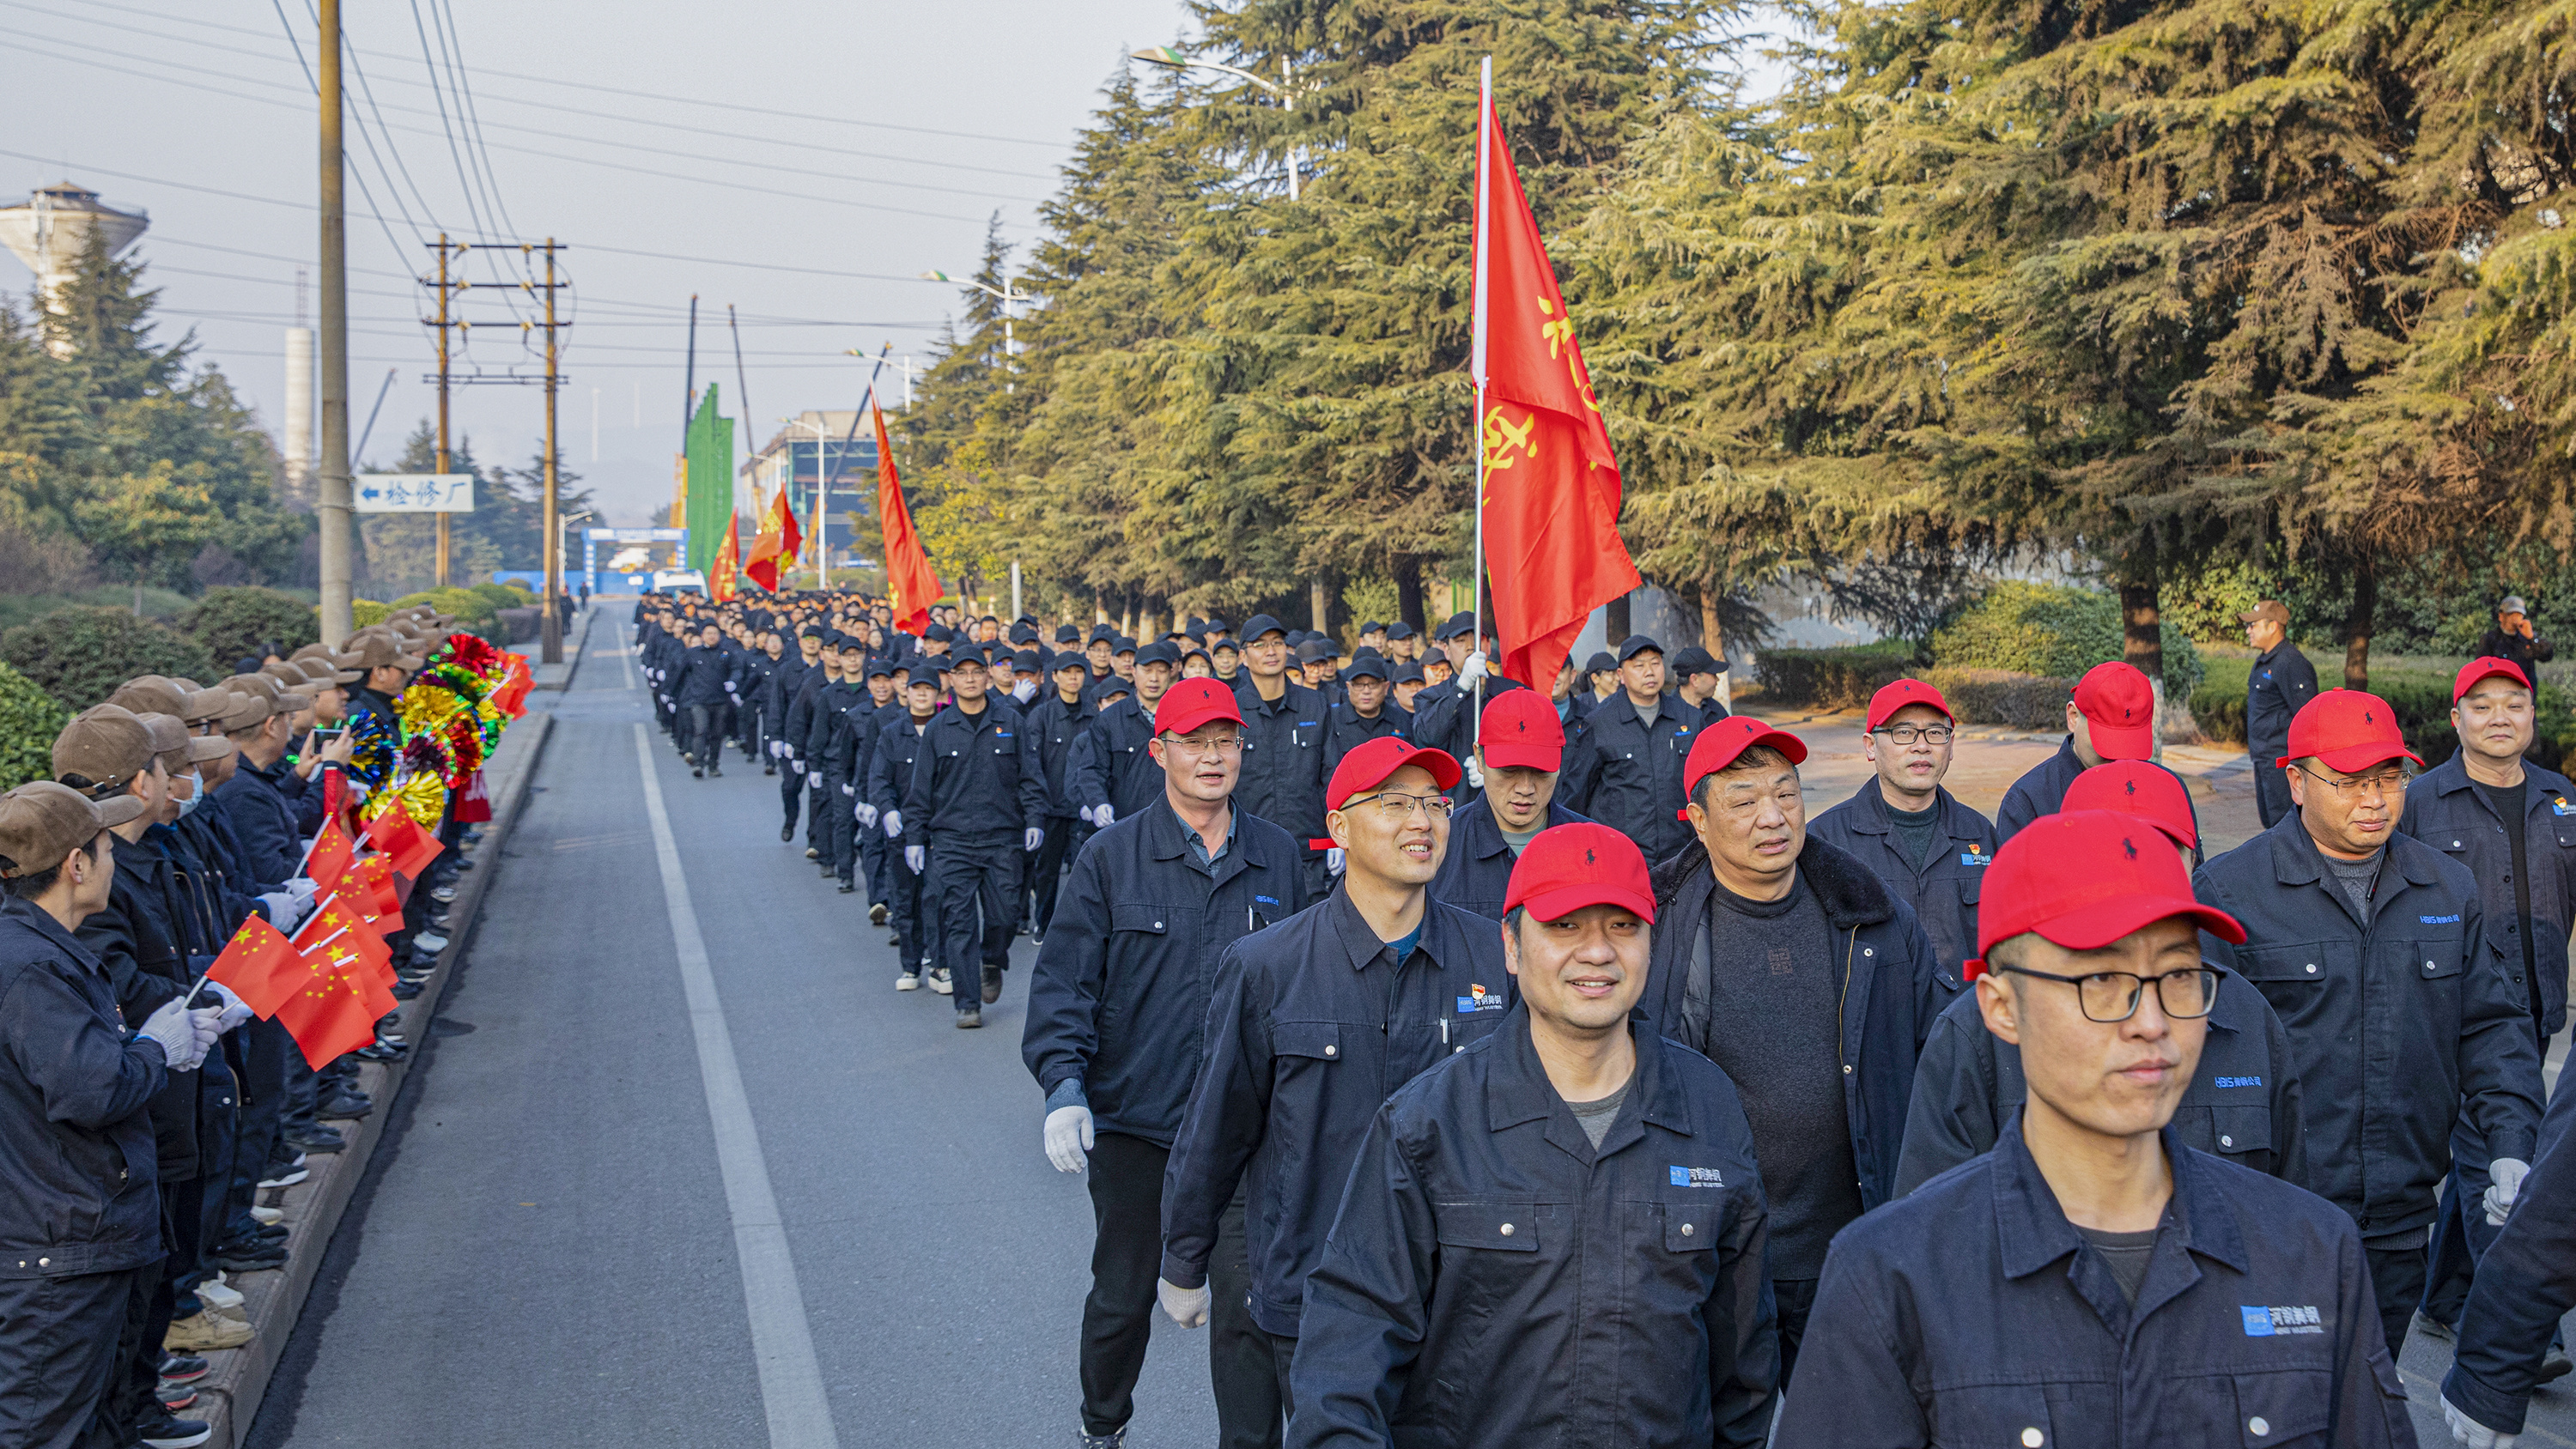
1930, 851
1115, 1011
2094, 1280
1566, 1216
2243, 1102
1314, 1023
2513, 824
1519, 745
1787, 963
2373, 948
2111, 717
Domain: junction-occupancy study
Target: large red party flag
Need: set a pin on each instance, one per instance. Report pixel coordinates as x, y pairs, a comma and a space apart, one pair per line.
403, 841
261, 966
727, 563
332, 854
911, 587
1549, 510
778, 540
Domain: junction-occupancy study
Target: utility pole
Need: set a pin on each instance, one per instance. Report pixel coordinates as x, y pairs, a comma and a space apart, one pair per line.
333, 498
553, 635
441, 324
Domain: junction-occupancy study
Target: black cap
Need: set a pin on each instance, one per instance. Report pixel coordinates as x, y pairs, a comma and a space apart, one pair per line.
810, 631
1100, 632
938, 631
1601, 663
1457, 624
1067, 634
1197, 625
1227, 644
1260, 624
922, 674
1122, 645
1025, 661
1636, 644
1024, 634
1371, 627
1365, 665
1195, 652
1106, 685
1695, 660
853, 641
966, 654
1068, 659
1398, 630
1218, 626
880, 666
1407, 673
1161, 649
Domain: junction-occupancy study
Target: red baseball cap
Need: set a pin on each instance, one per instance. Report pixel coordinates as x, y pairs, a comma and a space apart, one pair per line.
1897, 696
2347, 730
2486, 667
1191, 703
2135, 787
2086, 878
1569, 867
1520, 730
2121, 706
1367, 767
1720, 743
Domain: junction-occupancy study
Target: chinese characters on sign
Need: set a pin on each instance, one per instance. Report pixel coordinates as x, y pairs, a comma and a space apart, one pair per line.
413, 492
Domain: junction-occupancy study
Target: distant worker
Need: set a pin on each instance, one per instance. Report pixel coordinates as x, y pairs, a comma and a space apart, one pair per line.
2111, 717
2512, 637
2281, 682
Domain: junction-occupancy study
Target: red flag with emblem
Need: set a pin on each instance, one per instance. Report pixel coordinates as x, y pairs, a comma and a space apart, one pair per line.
727, 564
1549, 510
334, 1008
911, 586
332, 854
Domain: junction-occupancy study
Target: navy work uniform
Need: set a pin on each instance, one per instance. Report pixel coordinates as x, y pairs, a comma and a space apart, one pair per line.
801, 741
1056, 725
1346, 729
2242, 1105
1494, 1280
785, 689
2526, 1283
2042, 791
976, 786
899, 742
1117, 770
1476, 873
2404, 1024
1313, 1024
1943, 889
1625, 770
1973, 1313
849, 743
1117, 1006
1283, 766
2279, 683
826, 732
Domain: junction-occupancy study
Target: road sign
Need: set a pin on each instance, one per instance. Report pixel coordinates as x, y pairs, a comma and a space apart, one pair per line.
413, 492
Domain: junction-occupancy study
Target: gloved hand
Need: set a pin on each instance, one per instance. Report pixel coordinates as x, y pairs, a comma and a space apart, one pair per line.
304, 889
1473, 670
1102, 814
916, 858
1068, 1137
814, 778
283, 909
849, 789
894, 824
232, 1010
2504, 1181
1187, 1307
1031, 839
865, 814
1085, 813
2470, 1433
209, 1022
1475, 776
1335, 858
778, 749
176, 1030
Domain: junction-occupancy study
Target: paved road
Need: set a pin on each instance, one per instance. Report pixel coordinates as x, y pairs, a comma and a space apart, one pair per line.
556, 1245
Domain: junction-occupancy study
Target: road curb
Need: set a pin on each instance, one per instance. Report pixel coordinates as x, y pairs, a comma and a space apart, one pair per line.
228, 1398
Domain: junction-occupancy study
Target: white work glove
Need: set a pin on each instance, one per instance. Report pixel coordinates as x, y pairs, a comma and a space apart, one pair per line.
778, 749
1031, 839
176, 1030
849, 789
1335, 859
2470, 1433
1085, 813
234, 1010
2504, 1181
1068, 1137
1187, 1307
865, 814
209, 1024
304, 889
916, 858
1475, 777
283, 909
1473, 670
814, 778
1102, 815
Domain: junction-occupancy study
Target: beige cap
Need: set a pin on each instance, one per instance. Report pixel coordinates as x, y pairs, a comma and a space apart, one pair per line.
376, 651
41, 822
322, 652
158, 694
2272, 609
103, 747
271, 698
176, 746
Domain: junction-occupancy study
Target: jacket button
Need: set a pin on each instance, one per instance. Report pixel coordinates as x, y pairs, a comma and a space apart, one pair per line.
1847, 1071
1507, 1230
1869, 950
2258, 1426
1158, 925
2429, 966
1687, 1230
2031, 1438
44, 1262
1332, 1051
2226, 1141
2312, 968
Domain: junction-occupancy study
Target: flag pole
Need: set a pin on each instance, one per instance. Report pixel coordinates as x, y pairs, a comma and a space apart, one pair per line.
1478, 303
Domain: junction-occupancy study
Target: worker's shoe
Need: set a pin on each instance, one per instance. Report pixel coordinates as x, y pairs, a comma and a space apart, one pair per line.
992, 983
969, 1017
201, 1330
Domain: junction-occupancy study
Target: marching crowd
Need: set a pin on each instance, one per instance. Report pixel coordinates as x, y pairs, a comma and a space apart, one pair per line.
1492, 1065
144, 1102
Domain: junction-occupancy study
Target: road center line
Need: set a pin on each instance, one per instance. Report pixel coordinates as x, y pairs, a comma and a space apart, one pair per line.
782, 1344
625, 656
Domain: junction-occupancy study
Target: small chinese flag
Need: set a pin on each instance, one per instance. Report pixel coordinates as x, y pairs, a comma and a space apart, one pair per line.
777, 541
261, 966
332, 853
403, 841
352, 933
331, 1013
911, 586
335, 792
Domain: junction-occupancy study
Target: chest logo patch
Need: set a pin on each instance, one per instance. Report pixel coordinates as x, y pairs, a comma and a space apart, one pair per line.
2268, 1322
1697, 1177
2560, 806
2236, 1081
1479, 999
1971, 857
2451, 920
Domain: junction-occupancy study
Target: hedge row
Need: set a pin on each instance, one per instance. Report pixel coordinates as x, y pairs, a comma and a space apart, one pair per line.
29, 720
2055, 631
80, 656
1832, 678
2421, 700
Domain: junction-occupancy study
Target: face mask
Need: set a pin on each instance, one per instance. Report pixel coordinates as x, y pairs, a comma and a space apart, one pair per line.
196, 793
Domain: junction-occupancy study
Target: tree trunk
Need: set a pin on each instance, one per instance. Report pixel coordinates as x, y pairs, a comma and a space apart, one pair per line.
1408, 592
2142, 642
1319, 601
1712, 637
1618, 627
2357, 625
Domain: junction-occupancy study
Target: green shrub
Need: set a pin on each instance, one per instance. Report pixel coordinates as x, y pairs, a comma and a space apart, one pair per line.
80, 656
504, 596
363, 612
29, 721
467, 605
2001, 697
1832, 678
2056, 631
233, 623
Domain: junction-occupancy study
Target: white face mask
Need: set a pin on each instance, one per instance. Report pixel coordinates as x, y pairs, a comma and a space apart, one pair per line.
196, 793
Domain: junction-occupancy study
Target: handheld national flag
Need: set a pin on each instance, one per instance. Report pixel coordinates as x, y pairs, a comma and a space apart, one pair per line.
778, 541
402, 840
261, 966
332, 854
1548, 510
332, 1012
911, 586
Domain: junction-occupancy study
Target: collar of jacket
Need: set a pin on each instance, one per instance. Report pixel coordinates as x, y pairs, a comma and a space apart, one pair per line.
2297, 861
1850, 895
2452, 776
35, 918
1484, 833
1871, 807
1359, 940
1171, 834
1517, 1089
2035, 1231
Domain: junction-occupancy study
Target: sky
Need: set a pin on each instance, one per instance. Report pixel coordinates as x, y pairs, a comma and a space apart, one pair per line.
799, 161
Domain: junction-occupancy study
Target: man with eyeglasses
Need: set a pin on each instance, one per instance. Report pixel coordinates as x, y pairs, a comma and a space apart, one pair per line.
2513, 824
1313, 1024
2094, 1280
2372, 946
1116, 1010
1929, 850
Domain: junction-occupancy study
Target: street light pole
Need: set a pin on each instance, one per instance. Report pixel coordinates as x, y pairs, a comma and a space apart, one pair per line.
1164, 55
822, 498
1008, 295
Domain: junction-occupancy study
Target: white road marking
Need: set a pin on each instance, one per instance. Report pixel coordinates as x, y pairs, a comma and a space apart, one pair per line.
625, 657
782, 1343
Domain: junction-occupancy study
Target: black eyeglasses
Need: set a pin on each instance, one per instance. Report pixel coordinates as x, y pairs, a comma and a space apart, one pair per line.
1907, 734
2391, 781
2113, 995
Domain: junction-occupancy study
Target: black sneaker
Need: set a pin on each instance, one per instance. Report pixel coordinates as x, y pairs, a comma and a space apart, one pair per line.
969, 1017
993, 983
344, 1106
2554, 1367
317, 1138
788, 832
1114, 1439
847, 887
167, 1431
250, 1260
404, 990
182, 1368
697, 774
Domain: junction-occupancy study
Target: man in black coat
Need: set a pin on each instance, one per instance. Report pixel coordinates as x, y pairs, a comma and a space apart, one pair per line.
1624, 768
1928, 849
1057, 718
1520, 747
2279, 683
969, 814
2512, 637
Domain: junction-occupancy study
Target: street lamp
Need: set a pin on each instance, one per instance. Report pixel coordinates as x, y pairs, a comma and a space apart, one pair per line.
1164, 55
563, 546
822, 498
1008, 294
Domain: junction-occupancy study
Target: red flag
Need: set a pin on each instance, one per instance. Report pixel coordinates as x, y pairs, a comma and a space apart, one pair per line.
335, 791
474, 802
351, 930
778, 540
334, 1009
721, 572
401, 838
375, 874
1550, 504
261, 966
911, 587
332, 854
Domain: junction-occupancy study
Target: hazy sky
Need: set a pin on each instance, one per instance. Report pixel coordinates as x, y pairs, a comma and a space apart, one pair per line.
938, 115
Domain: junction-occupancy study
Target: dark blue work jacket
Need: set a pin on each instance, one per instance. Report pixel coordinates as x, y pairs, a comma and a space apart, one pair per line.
2278, 685
2242, 1104
1117, 770
823, 720
2401, 1029
1120, 998
851, 740
2042, 791
1283, 758
977, 774
1944, 893
1057, 725
141, 941
1627, 773
786, 679
1476, 872
1311, 1027
704, 677
2446, 811
263, 819
2525, 1284
1346, 730
800, 718
890, 764
1892, 989
77, 1162
1494, 1280
1973, 1313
